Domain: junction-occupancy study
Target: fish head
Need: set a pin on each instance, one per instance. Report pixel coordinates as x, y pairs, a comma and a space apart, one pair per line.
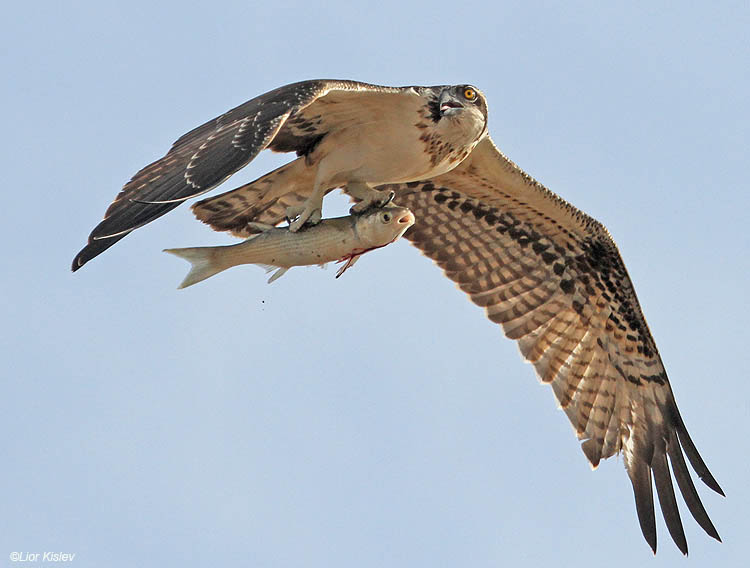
381, 226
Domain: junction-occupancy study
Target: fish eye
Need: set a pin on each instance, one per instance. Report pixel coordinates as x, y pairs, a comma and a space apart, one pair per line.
386, 217
470, 94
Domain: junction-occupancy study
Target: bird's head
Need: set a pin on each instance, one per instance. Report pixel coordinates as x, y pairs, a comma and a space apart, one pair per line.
457, 99
464, 104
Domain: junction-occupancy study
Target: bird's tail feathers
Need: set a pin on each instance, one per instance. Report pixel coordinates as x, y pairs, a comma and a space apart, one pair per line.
264, 200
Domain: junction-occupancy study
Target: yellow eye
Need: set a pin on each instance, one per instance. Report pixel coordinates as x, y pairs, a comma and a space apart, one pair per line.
470, 94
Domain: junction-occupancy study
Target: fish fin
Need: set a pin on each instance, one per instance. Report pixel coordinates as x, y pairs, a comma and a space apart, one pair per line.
349, 263
202, 263
278, 274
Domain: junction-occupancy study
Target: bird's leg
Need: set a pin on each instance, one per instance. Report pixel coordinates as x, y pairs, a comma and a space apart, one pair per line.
309, 212
367, 196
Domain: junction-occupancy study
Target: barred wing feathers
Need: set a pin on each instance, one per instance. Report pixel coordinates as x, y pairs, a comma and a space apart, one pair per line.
555, 281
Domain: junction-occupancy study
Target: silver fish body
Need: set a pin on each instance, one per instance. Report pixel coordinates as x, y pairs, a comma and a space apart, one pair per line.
338, 239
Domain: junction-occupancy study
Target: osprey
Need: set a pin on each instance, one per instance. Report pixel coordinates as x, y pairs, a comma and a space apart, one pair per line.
549, 274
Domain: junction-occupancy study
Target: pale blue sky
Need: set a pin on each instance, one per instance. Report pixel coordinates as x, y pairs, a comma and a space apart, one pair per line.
377, 419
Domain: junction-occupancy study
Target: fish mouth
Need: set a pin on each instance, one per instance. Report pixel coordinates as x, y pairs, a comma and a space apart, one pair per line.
403, 222
407, 218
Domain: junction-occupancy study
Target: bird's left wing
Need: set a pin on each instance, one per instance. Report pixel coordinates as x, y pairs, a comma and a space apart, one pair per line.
204, 157
554, 279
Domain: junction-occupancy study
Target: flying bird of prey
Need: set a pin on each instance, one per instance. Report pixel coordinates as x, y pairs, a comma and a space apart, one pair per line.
549, 274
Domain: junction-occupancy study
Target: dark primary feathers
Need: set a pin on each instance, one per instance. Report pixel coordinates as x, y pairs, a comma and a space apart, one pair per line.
549, 274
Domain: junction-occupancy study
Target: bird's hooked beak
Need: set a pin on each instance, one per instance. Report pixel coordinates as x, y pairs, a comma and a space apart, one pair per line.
449, 104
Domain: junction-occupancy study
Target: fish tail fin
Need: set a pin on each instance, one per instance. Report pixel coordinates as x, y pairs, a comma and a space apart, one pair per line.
203, 261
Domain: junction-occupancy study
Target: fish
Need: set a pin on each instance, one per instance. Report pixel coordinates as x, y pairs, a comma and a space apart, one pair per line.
341, 239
